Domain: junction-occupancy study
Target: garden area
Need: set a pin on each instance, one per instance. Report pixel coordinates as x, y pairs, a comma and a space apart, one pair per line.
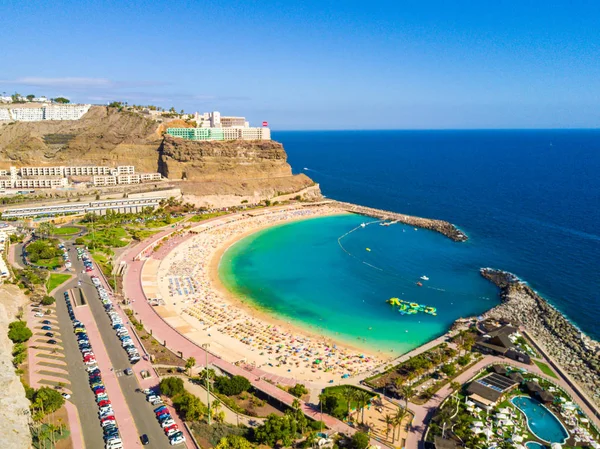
66, 230
44, 253
425, 373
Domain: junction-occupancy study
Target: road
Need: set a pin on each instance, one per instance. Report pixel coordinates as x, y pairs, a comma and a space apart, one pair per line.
141, 411
82, 396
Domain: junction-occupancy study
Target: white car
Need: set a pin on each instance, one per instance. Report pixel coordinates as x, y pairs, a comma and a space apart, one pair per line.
39, 315
151, 398
108, 422
66, 395
167, 423
178, 440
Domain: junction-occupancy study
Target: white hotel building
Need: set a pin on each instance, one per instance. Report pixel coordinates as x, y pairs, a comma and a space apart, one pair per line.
214, 126
37, 113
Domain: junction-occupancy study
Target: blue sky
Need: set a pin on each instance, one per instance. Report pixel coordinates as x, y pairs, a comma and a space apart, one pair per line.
308, 64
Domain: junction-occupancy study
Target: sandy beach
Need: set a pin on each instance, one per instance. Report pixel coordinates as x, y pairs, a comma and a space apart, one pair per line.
188, 280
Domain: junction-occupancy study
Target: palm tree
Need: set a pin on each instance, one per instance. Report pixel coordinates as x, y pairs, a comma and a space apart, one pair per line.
398, 418
296, 404
363, 398
390, 422
349, 394
406, 392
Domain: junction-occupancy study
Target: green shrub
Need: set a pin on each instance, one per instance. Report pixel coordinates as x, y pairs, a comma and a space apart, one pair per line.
298, 390
47, 300
360, 440
230, 386
18, 332
171, 386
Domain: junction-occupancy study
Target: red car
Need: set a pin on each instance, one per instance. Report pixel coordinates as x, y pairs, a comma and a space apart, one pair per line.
103, 403
108, 418
162, 412
100, 391
171, 427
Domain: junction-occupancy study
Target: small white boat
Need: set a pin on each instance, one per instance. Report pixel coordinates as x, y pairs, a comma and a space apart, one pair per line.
425, 278
362, 225
305, 168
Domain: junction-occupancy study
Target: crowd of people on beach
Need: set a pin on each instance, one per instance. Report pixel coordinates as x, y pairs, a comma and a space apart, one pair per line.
269, 345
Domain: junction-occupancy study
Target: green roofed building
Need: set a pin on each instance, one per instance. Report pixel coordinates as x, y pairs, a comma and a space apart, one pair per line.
229, 133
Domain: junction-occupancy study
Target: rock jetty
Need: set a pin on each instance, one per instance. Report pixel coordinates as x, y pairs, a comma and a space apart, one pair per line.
443, 227
575, 352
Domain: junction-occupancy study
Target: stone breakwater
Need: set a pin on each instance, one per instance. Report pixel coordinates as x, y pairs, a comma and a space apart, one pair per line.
443, 227
575, 352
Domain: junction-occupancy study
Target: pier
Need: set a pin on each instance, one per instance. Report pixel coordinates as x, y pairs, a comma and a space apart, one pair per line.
443, 227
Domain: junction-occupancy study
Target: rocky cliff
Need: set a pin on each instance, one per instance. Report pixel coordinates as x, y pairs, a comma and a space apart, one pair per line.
14, 406
105, 136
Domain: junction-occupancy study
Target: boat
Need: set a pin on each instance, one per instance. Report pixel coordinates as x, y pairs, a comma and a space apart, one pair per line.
420, 284
425, 278
305, 168
362, 225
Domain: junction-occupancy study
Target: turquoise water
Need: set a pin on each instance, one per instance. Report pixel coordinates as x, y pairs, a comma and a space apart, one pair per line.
541, 421
299, 272
534, 445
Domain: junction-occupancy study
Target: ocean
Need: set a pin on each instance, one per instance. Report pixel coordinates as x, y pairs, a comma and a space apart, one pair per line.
528, 200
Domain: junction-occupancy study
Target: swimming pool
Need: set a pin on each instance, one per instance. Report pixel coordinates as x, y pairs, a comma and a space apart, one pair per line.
534, 445
541, 421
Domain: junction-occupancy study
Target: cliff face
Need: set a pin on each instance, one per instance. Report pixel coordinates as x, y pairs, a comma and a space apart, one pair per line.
222, 161
105, 136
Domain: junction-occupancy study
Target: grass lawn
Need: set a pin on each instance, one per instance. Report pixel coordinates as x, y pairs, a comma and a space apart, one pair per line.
546, 369
55, 262
66, 230
114, 237
55, 280
342, 407
202, 217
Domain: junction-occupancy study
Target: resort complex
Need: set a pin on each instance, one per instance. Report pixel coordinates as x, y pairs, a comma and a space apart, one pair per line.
54, 177
36, 112
213, 126
485, 383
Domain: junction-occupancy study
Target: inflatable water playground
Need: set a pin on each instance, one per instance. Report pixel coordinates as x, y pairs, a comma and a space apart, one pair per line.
411, 308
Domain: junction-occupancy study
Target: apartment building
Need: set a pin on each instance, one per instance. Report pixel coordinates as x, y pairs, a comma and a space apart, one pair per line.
125, 179
35, 113
86, 170
42, 171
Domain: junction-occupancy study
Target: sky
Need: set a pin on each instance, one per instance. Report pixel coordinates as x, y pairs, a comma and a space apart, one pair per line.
309, 64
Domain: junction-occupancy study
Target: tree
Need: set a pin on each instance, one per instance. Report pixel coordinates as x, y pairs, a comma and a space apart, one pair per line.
449, 369
47, 400
61, 100
30, 97
232, 386
360, 440
406, 392
189, 406
298, 390
189, 364
363, 398
349, 394
398, 418
171, 386
47, 300
18, 332
390, 424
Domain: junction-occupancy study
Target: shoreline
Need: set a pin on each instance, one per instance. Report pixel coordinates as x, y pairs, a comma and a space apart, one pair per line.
263, 314
244, 333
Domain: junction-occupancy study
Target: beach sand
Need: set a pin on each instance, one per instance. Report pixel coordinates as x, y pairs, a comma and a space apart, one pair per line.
207, 312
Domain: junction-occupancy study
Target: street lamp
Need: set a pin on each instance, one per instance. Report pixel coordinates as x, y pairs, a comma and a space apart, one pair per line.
205, 347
